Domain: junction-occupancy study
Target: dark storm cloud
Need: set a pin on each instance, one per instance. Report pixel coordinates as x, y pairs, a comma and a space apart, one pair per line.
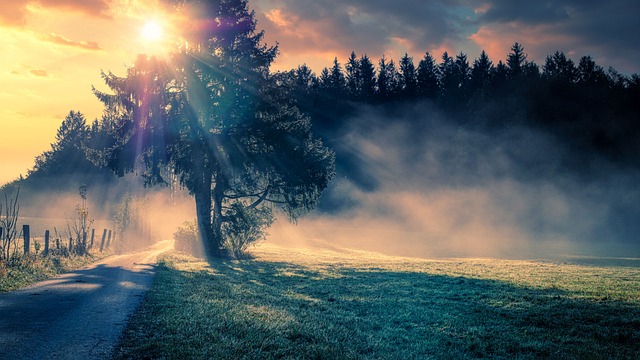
529, 12
376, 24
606, 30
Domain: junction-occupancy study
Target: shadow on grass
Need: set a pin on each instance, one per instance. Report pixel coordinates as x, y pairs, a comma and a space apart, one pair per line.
256, 309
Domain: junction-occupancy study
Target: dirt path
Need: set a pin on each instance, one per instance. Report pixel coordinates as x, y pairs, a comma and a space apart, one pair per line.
79, 315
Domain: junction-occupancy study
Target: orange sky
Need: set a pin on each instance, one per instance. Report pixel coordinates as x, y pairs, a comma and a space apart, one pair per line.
53, 50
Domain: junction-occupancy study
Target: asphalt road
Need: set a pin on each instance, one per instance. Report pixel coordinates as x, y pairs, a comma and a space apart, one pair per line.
80, 315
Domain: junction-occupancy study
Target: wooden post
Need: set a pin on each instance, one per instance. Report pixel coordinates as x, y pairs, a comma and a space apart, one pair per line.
46, 241
1, 230
104, 237
93, 234
27, 238
109, 239
70, 243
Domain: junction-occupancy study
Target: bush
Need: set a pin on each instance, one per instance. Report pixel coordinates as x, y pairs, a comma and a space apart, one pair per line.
187, 239
247, 226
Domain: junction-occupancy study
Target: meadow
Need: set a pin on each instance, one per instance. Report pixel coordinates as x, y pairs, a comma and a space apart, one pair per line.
295, 303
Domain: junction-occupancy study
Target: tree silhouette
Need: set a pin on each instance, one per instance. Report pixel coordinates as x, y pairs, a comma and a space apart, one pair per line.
559, 67
516, 60
336, 82
353, 76
408, 77
428, 80
588, 72
449, 79
67, 155
481, 73
367, 79
463, 75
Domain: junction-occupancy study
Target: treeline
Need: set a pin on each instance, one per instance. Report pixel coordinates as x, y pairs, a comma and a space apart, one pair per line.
585, 105
593, 110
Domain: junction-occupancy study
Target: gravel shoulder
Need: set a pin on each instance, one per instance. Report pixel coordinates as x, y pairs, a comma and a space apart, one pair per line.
79, 315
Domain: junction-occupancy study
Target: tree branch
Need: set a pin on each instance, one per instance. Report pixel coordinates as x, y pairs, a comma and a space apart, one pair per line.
260, 200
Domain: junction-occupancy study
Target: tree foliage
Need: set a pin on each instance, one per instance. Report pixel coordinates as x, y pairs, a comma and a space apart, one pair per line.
215, 117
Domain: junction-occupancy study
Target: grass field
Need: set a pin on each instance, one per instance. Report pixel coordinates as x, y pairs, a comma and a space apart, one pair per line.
320, 304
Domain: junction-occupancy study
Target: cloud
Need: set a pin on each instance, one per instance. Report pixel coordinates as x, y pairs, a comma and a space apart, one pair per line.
527, 12
39, 73
15, 13
372, 27
88, 7
538, 41
608, 31
62, 40
12, 13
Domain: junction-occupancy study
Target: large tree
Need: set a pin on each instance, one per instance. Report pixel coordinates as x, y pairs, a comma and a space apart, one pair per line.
213, 115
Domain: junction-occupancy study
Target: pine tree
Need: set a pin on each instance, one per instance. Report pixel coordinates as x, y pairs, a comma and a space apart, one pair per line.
367, 81
215, 117
481, 72
408, 77
515, 60
449, 77
559, 67
428, 77
352, 68
463, 76
589, 72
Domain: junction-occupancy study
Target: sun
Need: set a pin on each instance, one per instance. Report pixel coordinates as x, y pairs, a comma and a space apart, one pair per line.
152, 31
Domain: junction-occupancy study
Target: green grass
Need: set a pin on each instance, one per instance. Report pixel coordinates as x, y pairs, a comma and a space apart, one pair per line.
24, 270
315, 304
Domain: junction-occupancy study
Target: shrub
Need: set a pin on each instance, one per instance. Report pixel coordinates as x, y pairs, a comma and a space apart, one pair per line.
247, 226
187, 239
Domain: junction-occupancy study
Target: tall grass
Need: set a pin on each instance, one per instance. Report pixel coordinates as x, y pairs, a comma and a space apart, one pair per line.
22, 270
311, 304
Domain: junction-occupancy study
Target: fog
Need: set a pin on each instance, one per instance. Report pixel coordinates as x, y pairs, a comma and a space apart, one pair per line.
152, 214
412, 182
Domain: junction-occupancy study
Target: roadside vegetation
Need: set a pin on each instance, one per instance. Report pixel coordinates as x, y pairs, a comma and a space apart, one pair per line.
23, 270
26, 259
311, 304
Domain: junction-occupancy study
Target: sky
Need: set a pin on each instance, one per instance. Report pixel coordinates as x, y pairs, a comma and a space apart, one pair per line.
54, 50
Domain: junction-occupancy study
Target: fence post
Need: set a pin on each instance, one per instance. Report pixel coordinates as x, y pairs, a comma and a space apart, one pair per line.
109, 239
104, 236
93, 234
70, 243
46, 241
26, 236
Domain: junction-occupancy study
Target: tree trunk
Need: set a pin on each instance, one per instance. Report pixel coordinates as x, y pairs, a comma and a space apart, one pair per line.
218, 193
208, 236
